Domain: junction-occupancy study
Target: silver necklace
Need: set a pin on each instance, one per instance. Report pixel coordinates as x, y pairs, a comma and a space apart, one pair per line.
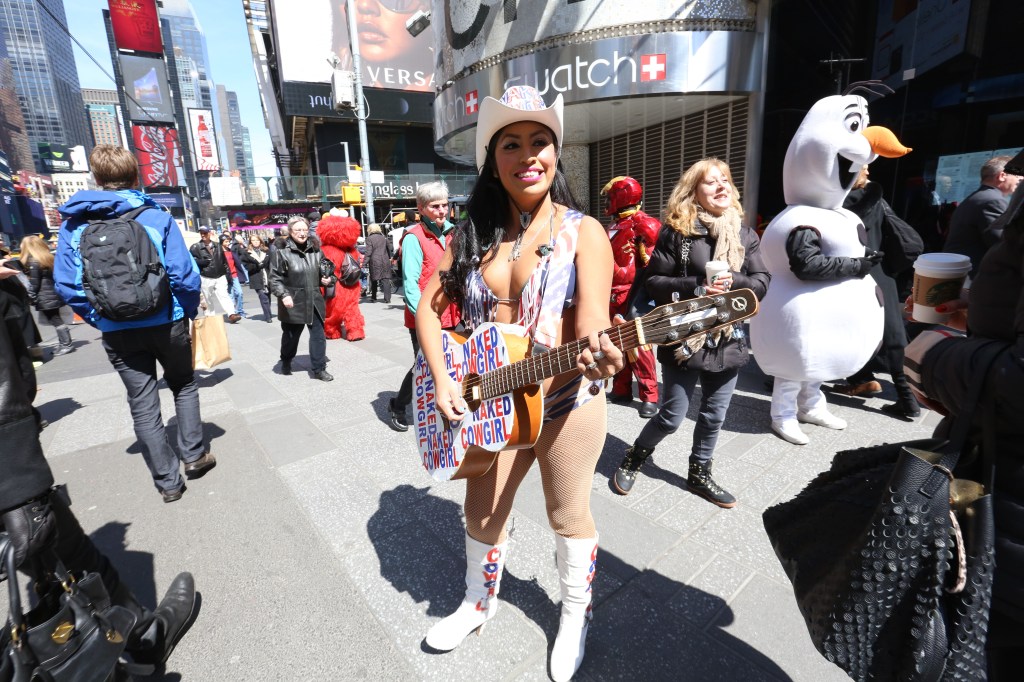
524, 218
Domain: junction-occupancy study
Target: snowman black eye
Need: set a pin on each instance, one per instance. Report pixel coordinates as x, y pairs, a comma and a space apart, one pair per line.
854, 122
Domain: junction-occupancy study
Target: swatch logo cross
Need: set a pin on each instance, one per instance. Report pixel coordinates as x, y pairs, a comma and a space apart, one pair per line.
653, 67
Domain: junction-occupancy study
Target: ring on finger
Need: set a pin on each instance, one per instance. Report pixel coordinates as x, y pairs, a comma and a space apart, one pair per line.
592, 366
598, 354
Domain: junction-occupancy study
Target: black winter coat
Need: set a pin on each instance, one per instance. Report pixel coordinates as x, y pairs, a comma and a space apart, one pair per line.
25, 471
210, 260
295, 272
875, 213
259, 273
41, 290
378, 257
665, 275
995, 315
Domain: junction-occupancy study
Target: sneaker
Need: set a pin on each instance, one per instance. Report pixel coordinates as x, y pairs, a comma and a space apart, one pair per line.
323, 375
790, 431
823, 418
627, 472
286, 367
63, 350
397, 417
233, 318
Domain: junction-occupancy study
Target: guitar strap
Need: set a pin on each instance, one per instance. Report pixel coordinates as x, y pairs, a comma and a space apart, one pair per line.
558, 291
558, 284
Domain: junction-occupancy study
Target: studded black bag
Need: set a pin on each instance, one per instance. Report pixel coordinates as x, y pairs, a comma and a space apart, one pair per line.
891, 559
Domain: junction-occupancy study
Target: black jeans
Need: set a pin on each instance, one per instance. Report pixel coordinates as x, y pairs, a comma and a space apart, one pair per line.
290, 334
716, 389
404, 396
134, 353
265, 302
385, 287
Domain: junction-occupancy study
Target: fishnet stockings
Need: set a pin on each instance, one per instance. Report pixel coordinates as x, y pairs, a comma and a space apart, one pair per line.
567, 451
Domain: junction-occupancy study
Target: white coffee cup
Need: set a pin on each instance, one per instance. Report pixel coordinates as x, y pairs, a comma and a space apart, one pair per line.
938, 278
713, 268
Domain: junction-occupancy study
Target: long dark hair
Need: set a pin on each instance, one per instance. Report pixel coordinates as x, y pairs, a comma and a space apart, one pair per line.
476, 240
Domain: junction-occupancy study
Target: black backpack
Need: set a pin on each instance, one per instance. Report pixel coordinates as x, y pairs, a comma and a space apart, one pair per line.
122, 274
350, 271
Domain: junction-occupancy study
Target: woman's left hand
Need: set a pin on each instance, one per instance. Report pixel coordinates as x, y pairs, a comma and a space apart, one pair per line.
721, 284
326, 281
601, 359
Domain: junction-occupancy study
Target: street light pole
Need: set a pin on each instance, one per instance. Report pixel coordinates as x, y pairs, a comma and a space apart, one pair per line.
361, 111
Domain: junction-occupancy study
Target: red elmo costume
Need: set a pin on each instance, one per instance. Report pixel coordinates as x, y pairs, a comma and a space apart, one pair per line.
633, 236
338, 238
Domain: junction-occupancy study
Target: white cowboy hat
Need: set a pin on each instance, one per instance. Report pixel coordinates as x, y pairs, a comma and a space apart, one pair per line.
519, 103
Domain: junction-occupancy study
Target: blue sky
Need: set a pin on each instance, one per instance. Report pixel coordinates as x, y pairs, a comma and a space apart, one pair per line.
223, 22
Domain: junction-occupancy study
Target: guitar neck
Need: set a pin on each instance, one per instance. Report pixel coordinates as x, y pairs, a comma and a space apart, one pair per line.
538, 368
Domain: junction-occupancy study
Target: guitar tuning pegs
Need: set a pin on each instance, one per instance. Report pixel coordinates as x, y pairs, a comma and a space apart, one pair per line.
672, 336
719, 300
675, 296
697, 326
722, 317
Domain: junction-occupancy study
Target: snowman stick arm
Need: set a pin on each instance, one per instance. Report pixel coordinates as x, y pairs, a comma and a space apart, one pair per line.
803, 246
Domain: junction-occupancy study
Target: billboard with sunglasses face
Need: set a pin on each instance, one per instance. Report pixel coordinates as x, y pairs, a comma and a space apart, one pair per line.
311, 32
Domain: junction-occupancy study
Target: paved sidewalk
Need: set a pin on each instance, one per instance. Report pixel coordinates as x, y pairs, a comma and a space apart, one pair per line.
323, 551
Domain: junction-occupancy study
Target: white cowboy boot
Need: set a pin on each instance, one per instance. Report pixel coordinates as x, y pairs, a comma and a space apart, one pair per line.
577, 560
484, 565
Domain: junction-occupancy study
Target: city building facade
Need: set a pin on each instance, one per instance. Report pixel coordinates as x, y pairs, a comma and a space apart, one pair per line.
45, 77
105, 116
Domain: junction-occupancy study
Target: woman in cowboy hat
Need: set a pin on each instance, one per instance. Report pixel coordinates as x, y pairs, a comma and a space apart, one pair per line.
515, 262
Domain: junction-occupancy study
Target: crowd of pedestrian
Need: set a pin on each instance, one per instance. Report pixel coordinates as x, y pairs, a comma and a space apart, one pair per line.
514, 262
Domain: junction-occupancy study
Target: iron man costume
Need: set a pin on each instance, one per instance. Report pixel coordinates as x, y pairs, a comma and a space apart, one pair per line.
633, 236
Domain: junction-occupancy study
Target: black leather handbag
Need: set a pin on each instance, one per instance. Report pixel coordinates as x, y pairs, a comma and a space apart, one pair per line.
72, 635
891, 558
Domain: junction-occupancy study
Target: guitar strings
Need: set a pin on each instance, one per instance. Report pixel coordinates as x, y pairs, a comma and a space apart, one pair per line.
630, 338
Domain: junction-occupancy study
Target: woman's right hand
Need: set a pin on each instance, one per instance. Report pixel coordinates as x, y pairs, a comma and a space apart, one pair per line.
288, 302
957, 309
449, 399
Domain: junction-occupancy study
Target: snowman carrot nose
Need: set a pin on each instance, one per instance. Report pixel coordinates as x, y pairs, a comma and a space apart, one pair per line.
884, 143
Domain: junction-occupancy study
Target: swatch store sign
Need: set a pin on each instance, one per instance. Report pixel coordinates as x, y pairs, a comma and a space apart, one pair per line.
654, 64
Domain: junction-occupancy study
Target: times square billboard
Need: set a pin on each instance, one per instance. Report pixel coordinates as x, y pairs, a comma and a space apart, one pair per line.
397, 68
136, 25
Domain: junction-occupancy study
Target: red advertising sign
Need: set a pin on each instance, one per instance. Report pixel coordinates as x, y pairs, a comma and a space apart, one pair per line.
159, 155
136, 25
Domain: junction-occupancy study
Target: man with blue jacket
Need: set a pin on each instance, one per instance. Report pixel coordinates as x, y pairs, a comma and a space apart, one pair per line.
134, 347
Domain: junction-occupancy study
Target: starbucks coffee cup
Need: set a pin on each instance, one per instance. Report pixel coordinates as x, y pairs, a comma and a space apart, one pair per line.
713, 268
938, 278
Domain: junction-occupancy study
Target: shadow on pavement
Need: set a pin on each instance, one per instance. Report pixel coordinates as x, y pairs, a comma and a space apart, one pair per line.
643, 629
135, 568
58, 409
206, 379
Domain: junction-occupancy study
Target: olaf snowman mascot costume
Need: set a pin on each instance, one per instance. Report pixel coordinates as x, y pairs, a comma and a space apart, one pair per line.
823, 319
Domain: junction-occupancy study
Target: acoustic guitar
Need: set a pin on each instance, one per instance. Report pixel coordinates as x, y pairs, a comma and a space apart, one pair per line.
502, 385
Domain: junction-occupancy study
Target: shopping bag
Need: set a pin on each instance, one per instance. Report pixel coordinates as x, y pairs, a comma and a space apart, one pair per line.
209, 342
